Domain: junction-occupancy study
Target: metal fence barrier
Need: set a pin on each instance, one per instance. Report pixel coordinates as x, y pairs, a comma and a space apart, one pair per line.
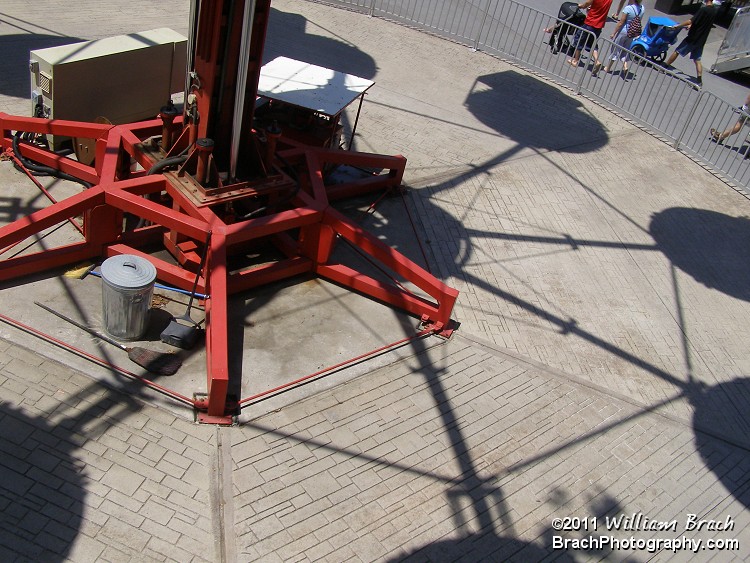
658, 99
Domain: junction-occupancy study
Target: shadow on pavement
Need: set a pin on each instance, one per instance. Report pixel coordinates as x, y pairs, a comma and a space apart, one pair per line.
712, 247
313, 49
14, 64
720, 413
480, 547
557, 121
48, 471
714, 253
42, 488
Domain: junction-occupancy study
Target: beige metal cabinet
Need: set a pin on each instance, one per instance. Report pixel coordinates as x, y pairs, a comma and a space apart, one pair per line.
124, 79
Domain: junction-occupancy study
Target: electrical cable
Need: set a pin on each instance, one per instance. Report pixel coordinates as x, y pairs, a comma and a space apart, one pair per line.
166, 163
41, 169
20, 166
158, 167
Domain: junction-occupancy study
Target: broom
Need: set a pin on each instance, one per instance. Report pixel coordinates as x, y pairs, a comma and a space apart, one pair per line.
160, 363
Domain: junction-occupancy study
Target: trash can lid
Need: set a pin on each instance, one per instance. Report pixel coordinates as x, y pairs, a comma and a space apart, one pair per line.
128, 271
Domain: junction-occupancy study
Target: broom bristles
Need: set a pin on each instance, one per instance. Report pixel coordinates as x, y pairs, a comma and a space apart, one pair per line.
79, 270
160, 363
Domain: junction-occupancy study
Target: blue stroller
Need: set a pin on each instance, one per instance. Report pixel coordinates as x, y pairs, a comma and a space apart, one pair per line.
658, 35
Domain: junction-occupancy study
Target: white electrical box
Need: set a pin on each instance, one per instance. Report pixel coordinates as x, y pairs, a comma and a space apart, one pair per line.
122, 79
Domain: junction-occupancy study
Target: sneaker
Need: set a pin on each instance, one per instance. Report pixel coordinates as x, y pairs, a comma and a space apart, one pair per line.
699, 81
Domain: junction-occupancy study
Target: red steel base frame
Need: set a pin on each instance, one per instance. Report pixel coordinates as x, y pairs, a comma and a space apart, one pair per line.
305, 231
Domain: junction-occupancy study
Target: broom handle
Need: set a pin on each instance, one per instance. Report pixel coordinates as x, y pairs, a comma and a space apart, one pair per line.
83, 327
200, 269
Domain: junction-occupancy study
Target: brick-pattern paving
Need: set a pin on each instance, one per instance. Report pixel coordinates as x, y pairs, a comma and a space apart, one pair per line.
575, 239
90, 474
606, 273
462, 451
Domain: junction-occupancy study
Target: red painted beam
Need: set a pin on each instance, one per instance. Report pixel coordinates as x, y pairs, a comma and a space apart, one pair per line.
270, 224
446, 296
143, 185
301, 199
268, 273
142, 207
185, 204
150, 235
395, 163
217, 327
386, 293
50, 216
150, 127
129, 142
53, 126
167, 272
19, 266
108, 163
316, 178
67, 165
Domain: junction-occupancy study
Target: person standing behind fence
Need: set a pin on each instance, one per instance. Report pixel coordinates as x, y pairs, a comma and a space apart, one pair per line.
622, 36
596, 17
744, 119
699, 27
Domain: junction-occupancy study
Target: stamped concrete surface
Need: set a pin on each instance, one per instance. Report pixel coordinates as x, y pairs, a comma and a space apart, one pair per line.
598, 377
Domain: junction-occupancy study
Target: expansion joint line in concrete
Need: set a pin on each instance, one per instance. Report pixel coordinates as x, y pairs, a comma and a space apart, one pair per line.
220, 498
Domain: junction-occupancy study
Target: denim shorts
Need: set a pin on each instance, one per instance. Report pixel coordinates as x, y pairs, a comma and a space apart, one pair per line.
695, 51
590, 38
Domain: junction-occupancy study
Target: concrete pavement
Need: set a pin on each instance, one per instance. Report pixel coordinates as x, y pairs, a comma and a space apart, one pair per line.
600, 369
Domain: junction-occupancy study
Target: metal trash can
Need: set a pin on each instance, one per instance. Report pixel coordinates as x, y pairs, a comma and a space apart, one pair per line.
127, 288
